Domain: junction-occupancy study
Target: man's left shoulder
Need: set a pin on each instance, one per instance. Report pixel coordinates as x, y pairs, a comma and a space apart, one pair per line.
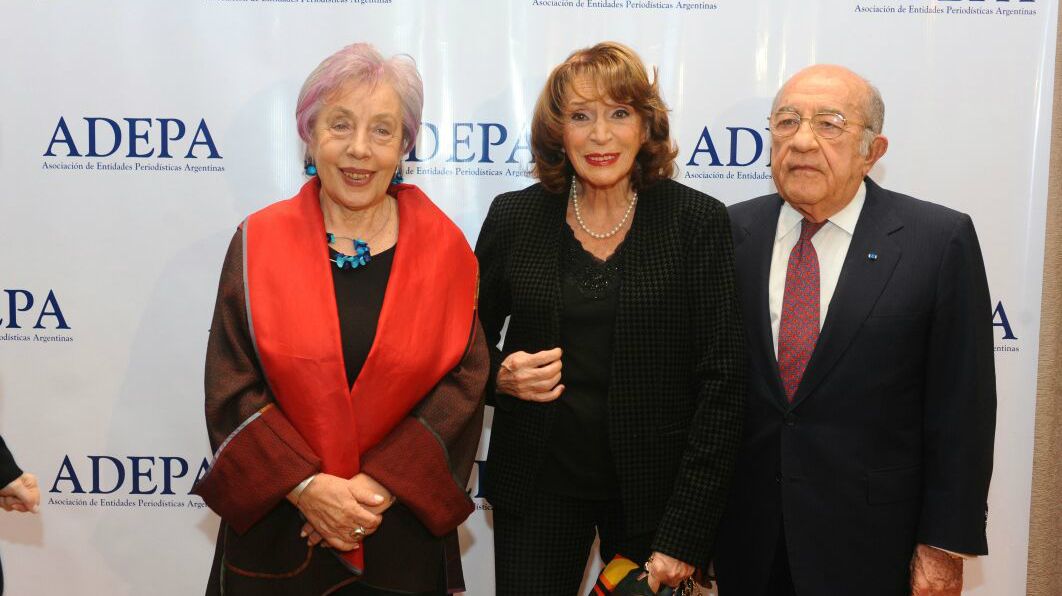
919, 213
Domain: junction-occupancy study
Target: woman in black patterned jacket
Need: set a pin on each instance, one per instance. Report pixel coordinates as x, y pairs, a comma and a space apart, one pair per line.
619, 387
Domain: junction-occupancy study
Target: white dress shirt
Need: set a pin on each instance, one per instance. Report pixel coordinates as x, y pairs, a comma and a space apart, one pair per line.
831, 244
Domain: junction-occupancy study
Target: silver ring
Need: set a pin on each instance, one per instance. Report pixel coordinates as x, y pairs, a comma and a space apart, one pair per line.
357, 534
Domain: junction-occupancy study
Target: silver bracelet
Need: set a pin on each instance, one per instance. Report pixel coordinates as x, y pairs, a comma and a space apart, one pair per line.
296, 493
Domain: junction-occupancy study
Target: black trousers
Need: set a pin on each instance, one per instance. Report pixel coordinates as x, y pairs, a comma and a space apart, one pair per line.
357, 589
543, 550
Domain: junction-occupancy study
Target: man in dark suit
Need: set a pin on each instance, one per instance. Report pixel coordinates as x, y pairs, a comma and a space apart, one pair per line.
870, 417
18, 490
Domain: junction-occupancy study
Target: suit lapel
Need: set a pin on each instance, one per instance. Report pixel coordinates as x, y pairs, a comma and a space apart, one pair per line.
543, 255
644, 276
871, 259
649, 260
753, 254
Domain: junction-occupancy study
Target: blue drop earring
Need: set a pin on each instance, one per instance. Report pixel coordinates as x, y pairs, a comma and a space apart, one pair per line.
397, 178
309, 168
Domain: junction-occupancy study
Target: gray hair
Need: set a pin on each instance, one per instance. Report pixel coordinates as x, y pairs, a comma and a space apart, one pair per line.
874, 114
362, 63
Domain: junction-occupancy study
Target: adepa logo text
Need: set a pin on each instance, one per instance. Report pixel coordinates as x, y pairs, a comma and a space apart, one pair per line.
160, 138
731, 146
466, 142
1002, 8
1002, 322
132, 474
23, 308
475, 486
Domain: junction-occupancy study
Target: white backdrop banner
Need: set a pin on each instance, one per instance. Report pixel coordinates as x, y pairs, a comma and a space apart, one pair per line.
136, 134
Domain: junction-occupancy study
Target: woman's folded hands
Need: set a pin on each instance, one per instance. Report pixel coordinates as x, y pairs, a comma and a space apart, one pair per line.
340, 511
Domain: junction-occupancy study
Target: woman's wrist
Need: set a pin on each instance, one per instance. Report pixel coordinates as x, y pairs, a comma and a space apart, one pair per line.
501, 380
296, 493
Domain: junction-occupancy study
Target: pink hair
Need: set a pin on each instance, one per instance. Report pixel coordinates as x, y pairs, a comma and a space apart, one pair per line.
361, 62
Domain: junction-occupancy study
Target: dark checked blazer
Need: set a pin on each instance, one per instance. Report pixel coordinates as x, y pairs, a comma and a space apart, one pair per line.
675, 401
9, 470
888, 440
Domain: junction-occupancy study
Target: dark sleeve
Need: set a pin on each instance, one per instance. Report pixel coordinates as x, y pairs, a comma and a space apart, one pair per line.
9, 470
492, 250
688, 528
960, 401
427, 459
258, 455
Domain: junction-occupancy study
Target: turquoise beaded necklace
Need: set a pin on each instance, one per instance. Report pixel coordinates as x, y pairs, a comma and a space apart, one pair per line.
362, 255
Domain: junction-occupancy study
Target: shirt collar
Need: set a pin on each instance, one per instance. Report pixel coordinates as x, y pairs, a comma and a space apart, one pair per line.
845, 219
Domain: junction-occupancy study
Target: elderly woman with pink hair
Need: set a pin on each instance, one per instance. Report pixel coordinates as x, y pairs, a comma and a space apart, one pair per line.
346, 365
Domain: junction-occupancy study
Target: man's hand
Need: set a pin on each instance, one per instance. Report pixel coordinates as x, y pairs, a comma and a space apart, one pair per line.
935, 572
666, 571
22, 494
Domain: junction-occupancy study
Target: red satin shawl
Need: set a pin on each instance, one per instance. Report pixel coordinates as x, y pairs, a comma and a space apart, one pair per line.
422, 332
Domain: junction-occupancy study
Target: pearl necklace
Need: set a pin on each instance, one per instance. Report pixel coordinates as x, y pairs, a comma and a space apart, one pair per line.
574, 196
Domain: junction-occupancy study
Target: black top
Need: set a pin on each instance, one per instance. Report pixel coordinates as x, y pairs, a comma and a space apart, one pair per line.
579, 462
359, 300
678, 362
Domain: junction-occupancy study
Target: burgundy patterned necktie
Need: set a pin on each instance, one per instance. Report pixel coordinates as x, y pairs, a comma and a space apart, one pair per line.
799, 328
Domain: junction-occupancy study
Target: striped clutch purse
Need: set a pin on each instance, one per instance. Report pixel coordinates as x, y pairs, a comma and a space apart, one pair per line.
624, 577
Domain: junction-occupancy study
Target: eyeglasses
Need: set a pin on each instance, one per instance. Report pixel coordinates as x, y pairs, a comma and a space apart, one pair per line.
825, 125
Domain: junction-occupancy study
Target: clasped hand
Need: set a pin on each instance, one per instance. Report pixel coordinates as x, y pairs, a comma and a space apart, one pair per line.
21, 494
935, 572
666, 571
334, 507
532, 377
